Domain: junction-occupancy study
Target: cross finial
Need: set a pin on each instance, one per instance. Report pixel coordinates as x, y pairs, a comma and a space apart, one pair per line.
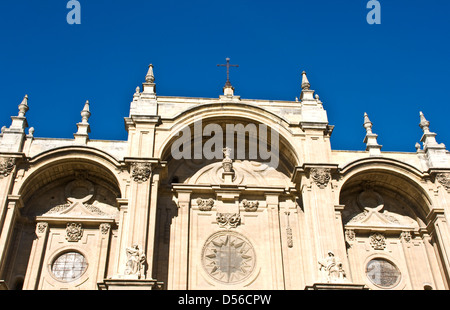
228, 84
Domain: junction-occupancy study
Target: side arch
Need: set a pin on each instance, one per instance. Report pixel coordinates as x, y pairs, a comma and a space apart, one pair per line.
62, 162
392, 174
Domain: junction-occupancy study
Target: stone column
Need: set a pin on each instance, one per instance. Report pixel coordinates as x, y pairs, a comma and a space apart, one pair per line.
37, 254
179, 244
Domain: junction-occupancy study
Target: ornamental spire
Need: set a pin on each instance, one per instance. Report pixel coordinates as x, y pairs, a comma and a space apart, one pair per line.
305, 83
85, 114
82, 135
424, 124
371, 139
149, 87
150, 77
23, 106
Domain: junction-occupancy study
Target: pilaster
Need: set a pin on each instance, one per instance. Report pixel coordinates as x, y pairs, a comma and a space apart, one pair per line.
7, 229
179, 244
36, 257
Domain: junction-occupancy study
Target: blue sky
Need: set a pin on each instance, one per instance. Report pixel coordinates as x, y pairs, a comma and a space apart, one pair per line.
391, 71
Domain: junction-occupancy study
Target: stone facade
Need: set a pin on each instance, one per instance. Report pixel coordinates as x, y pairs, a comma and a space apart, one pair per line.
94, 214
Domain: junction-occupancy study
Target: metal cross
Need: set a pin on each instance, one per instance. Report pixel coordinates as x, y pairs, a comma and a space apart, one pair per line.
228, 70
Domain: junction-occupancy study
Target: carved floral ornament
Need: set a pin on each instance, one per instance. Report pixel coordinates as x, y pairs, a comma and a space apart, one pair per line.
444, 180
378, 241
74, 232
228, 220
104, 228
205, 204
141, 171
249, 206
41, 227
6, 166
321, 176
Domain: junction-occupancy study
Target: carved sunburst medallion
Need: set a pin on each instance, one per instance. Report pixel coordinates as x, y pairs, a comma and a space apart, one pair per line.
228, 257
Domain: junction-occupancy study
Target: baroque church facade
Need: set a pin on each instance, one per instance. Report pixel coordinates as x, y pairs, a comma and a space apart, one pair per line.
94, 214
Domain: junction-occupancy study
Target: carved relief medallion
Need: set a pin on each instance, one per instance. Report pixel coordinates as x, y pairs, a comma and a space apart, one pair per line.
228, 257
321, 176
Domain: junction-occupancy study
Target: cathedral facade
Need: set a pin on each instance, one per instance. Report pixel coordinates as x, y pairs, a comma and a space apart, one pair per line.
221, 193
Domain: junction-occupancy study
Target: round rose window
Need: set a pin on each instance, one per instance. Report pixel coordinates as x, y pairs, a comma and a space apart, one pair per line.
383, 273
69, 266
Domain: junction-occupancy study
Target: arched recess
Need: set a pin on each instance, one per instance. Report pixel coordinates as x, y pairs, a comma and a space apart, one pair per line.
285, 158
396, 178
62, 186
384, 217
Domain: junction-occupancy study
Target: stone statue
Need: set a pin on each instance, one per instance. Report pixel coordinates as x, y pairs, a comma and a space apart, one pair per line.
135, 261
331, 269
227, 162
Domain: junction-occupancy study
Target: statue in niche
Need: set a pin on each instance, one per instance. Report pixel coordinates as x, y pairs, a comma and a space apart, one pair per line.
331, 269
135, 261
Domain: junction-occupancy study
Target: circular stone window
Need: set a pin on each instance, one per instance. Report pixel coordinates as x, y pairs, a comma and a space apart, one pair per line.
228, 257
69, 266
383, 273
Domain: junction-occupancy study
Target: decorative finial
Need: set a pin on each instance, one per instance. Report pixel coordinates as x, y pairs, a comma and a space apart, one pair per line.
367, 123
85, 114
371, 139
31, 132
305, 83
23, 106
417, 147
424, 124
150, 78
